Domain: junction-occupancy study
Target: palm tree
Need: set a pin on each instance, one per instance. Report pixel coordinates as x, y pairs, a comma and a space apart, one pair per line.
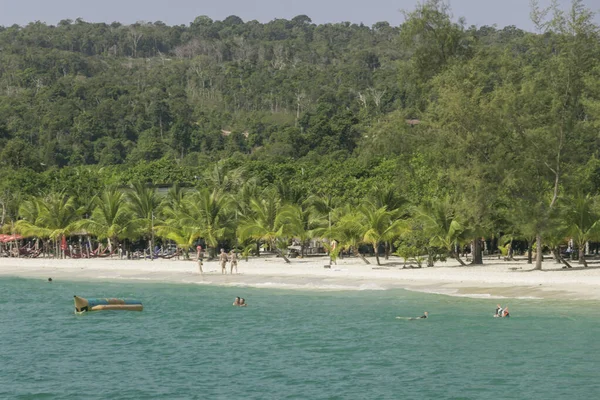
29, 225
379, 226
265, 222
52, 217
325, 205
582, 221
301, 221
388, 197
177, 230
144, 204
111, 218
211, 213
348, 230
439, 222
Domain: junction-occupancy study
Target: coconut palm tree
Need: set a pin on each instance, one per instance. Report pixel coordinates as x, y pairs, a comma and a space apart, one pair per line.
348, 230
29, 225
379, 226
301, 221
264, 222
111, 218
439, 222
182, 234
325, 205
211, 212
583, 222
144, 205
52, 217
388, 197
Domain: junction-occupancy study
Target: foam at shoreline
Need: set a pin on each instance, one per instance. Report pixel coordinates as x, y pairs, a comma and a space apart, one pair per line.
494, 280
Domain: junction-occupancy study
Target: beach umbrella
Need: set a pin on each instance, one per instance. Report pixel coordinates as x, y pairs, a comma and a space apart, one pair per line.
10, 238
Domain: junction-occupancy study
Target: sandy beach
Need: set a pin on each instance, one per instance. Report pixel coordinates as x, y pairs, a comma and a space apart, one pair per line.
495, 279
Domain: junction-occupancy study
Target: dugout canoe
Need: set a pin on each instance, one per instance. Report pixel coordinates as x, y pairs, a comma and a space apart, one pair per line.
97, 304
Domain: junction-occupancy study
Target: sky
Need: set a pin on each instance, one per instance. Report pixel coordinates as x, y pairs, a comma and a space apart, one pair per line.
176, 12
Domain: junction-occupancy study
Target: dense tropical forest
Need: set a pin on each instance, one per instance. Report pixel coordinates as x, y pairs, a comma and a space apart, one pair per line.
415, 139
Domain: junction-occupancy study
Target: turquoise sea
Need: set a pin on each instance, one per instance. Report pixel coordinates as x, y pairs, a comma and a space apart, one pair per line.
191, 343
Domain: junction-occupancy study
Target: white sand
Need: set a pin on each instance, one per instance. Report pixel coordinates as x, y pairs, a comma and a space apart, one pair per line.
494, 279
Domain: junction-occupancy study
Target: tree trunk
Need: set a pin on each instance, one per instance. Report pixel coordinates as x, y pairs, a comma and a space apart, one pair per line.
556, 255
457, 258
361, 256
538, 254
529, 252
387, 250
562, 260
477, 256
283, 255
376, 250
582, 256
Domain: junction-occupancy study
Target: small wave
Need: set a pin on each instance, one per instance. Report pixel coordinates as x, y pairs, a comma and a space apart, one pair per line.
306, 286
455, 293
370, 286
131, 278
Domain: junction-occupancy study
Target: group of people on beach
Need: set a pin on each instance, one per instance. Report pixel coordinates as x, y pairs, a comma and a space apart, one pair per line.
501, 312
224, 258
240, 302
231, 258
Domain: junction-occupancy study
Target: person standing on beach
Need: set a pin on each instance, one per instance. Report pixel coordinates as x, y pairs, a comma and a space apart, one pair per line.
234, 261
223, 261
199, 258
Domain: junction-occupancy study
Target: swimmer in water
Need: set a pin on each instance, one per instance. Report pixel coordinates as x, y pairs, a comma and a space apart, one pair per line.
49, 279
499, 311
506, 314
424, 316
236, 301
243, 302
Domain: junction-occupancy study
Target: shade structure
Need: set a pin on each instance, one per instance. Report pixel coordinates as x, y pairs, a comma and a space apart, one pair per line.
10, 238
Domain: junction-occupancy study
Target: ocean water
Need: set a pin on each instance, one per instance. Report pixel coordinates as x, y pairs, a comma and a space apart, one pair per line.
191, 343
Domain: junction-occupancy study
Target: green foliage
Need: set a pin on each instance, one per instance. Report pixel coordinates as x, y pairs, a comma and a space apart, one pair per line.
289, 129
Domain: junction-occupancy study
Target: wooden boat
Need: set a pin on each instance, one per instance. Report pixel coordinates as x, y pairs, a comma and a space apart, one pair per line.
97, 304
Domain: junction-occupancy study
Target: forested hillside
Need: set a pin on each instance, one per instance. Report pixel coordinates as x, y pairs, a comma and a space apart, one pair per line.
501, 121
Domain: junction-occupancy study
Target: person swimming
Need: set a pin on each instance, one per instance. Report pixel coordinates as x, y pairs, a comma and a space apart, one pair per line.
243, 303
498, 312
236, 302
424, 316
501, 312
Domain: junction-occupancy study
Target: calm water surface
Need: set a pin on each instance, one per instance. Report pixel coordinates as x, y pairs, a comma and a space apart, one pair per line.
190, 343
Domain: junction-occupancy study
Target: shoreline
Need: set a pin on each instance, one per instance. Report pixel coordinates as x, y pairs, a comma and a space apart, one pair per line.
495, 279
